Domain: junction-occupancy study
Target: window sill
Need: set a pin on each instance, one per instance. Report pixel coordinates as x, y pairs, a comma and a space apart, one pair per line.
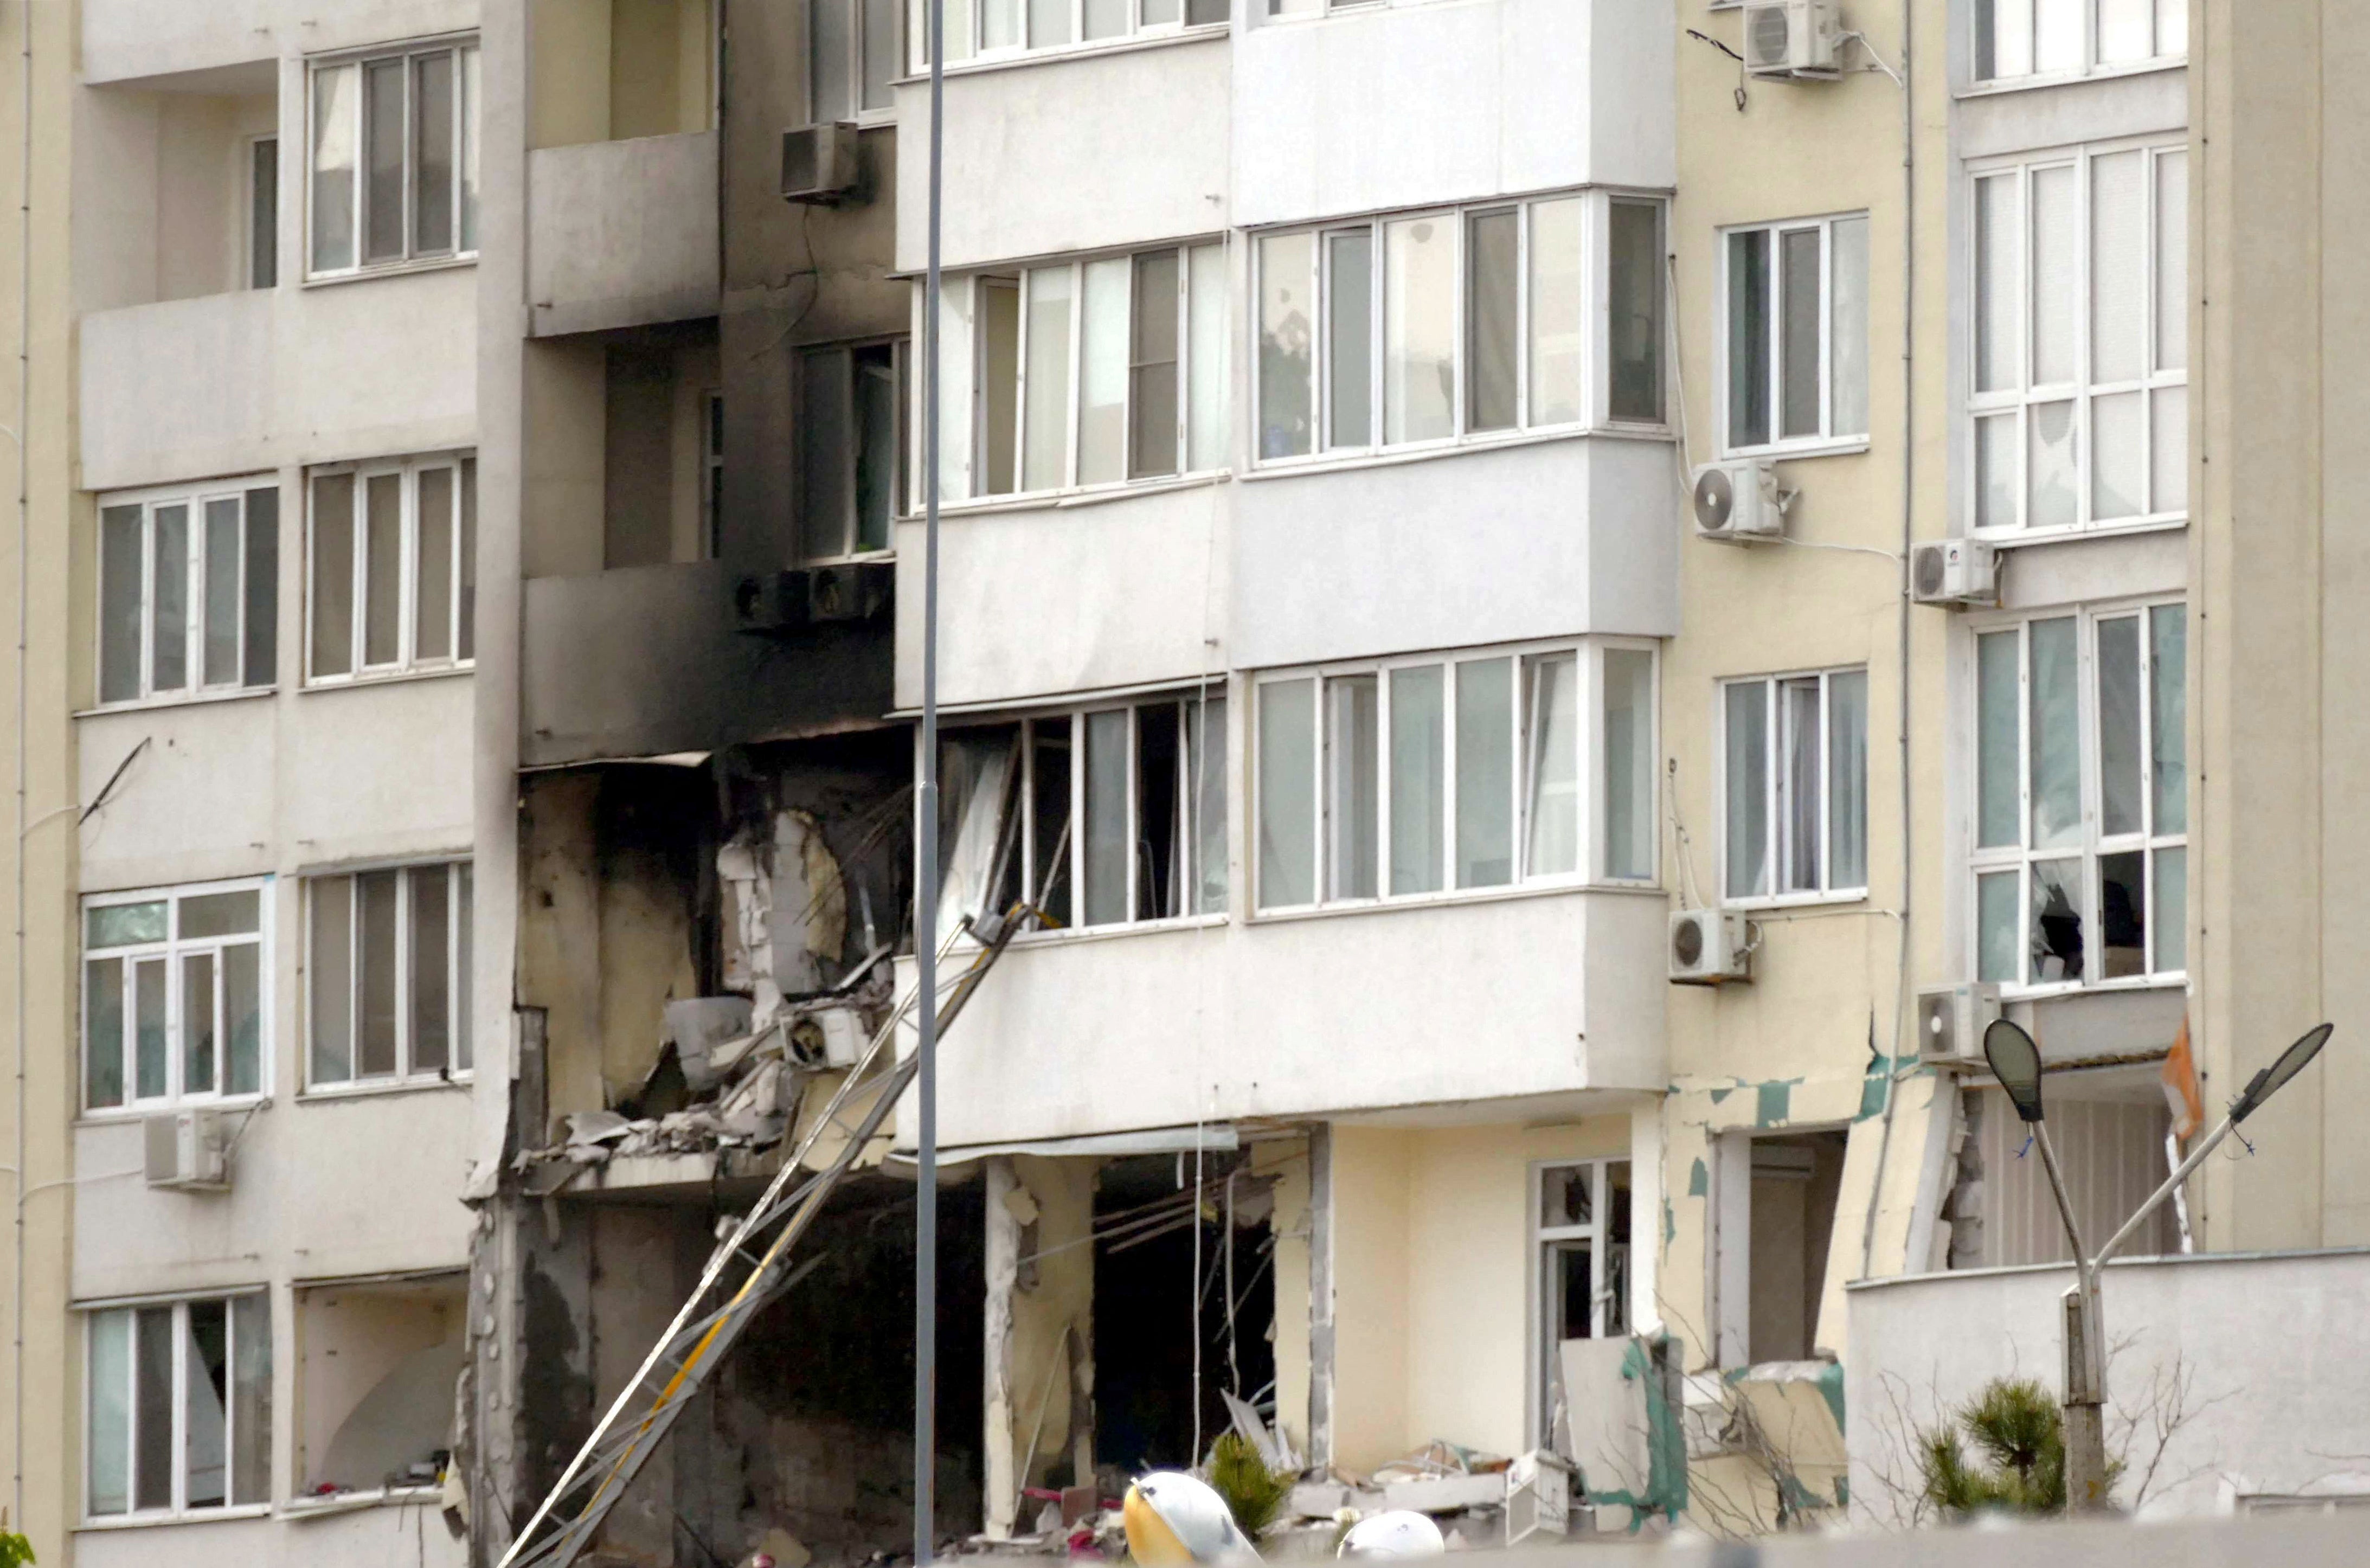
1450, 900
1750, 906
2070, 78
298, 1510
2022, 538
132, 1115
389, 270
1067, 935
194, 1517
1012, 59
2056, 990
1291, 468
197, 699
388, 677
1076, 496
1853, 446
326, 1093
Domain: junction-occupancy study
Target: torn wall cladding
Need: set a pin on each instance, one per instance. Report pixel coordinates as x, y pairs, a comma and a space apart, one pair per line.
378, 1361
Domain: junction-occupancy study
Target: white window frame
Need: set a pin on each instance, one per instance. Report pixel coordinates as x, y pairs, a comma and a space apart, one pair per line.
2168, 41
2020, 857
1289, 11
973, 18
464, 467
133, 1516
1829, 437
459, 923
1596, 360
1590, 793
1775, 814
901, 368
1192, 733
2017, 401
195, 499
963, 461
468, 137
172, 950
1610, 1304
819, 113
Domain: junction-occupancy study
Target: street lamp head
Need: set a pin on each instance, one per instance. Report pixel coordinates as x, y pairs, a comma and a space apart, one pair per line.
2268, 1082
2016, 1062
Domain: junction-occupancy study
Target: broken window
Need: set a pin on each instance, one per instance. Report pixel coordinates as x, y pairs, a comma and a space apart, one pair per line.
851, 445
1775, 1216
173, 996
2081, 798
1101, 817
388, 961
376, 1365
1580, 1228
179, 1406
2080, 399
2113, 1129
1093, 372
188, 585
394, 159
1455, 323
393, 565
1422, 775
1796, 756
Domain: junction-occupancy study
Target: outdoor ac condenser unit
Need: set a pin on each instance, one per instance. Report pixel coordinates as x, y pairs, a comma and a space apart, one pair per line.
1955, 572
1738, 501
1791, 40
1709, 947
819, 163
188, 1151
1950, 1024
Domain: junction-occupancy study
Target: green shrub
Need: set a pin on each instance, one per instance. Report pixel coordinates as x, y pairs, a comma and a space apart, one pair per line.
2019, 1467
1254, 1493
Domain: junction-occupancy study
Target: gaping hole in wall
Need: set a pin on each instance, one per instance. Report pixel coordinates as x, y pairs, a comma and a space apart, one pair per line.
1797, 1178
2110, 1126
1178, 1268
376, 1364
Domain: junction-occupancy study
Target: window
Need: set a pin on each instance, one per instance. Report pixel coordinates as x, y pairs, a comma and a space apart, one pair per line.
851, 449
2080, 401
853, 56
189, 591
984, 28
1579, 1227
179, 1406
172, 1002
1774, 1204
386, 963
2056, 38
2081, 868
1421, 776
394, 159
263, 213
1796, 808
1101, 817
1423, 329
394, 564
1797, 301
711, 473
1101, 371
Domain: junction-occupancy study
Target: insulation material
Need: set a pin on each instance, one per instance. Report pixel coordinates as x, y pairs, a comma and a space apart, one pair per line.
785, 912
1792, 1414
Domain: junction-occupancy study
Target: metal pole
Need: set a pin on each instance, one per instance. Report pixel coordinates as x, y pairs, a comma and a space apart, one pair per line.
925, 905
2086, 1365
2211, 1142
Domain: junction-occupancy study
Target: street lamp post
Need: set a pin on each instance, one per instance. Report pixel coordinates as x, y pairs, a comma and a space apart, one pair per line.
2016, 1062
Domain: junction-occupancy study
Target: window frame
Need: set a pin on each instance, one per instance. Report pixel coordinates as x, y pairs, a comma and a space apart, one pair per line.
2017, 401
195, 498
254, 259
711, 473
901, 361
1592, 828
1829, 439
1774, 816
463, 465
134, 1517
1978, 861
173, 951
1608, 1314
857, 26
1595, 400
2090, 64
459, 926
916, 51
467, 139
1189, 703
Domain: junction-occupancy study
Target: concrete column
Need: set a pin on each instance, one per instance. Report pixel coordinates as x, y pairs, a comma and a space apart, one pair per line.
1645, 1217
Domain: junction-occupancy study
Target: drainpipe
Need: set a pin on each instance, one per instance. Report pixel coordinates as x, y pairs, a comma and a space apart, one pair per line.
24, 585
1892, 1071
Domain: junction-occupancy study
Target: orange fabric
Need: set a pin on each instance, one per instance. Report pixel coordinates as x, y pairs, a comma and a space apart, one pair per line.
2180, 1094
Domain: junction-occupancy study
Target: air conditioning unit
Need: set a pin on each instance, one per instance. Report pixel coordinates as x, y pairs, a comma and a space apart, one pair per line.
830, 1037
1709, 947
1791, 40
1739, 500
819, 163
777, 602
188, 1151
1956, 573
1950, 1024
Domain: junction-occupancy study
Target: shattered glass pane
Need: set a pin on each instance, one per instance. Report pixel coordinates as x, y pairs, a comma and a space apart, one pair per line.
2056, 940
1567, 1195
